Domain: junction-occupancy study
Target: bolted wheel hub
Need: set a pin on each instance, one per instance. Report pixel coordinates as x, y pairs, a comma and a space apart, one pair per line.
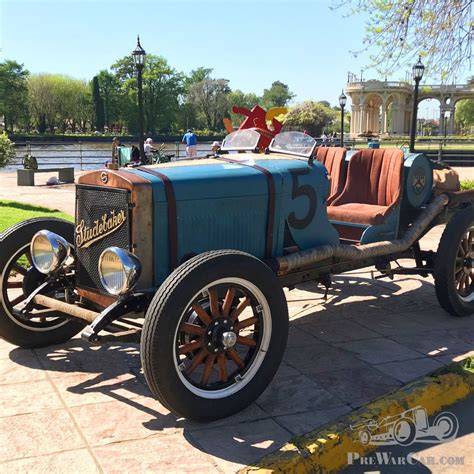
220, 335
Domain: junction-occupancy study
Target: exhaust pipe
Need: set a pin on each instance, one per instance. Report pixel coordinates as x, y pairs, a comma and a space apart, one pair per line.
308, 257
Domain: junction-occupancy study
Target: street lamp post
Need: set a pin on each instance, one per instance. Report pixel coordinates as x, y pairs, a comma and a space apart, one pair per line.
342, 103
139, 59
418, 70
447, 115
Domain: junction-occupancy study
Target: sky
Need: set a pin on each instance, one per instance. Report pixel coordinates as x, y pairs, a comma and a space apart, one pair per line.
302, 43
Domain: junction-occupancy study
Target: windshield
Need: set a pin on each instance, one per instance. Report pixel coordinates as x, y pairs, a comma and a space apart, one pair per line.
295, 143
241, 140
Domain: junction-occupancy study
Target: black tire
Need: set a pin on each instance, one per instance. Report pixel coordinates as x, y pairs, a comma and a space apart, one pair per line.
14, 248
454, 262
235, 278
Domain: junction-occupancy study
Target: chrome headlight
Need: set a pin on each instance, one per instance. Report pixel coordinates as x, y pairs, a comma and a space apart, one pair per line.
49, 251
119, 270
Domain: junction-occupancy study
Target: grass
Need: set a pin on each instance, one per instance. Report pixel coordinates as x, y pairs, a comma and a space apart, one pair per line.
467, 184
12, 212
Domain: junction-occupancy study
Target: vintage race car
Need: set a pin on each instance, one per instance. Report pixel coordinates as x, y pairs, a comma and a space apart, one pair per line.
191, 257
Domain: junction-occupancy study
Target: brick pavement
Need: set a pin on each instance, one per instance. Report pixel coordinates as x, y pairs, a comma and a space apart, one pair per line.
85, 408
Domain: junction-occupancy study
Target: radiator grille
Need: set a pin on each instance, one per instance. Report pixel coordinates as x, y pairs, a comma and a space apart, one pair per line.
102, 220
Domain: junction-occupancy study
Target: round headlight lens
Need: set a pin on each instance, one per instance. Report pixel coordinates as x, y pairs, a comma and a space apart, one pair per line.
119, 270
49, 251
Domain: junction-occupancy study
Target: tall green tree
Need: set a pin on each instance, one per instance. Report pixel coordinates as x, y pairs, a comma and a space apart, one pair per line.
238, 98
162, 88
464, 115
112, 96
59, 103
211, 99
98, 104
311, 116
13, 93
398, 31
188, 114
278, 95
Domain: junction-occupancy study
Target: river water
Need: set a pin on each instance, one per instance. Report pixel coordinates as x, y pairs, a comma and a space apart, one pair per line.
85, 156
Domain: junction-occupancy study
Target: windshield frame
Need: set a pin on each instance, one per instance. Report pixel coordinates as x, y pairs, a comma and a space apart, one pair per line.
244, 148
293, 153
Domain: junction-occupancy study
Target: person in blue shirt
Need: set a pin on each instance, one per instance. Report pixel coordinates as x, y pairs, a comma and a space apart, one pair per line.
191, 141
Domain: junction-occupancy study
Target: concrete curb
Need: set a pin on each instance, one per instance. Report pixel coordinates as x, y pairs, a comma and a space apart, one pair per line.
325, 450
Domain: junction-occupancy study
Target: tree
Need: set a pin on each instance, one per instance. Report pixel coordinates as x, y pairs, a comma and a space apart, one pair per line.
13, 93
59, 102
7, 150
465, 113
162, 87
98, 104
310, 116
238, 98
398, 31
42, 101
112, 96
278, 95
211, 99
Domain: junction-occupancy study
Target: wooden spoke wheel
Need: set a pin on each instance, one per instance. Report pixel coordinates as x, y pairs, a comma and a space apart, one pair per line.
39, 327
214, 335
221, 338
463, 272
454, 275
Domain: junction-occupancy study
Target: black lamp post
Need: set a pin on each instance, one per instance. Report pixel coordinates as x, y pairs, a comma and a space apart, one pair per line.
139, 59
418, 70
342, 103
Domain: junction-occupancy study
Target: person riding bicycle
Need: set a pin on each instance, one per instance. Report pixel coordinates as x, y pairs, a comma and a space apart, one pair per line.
149, 150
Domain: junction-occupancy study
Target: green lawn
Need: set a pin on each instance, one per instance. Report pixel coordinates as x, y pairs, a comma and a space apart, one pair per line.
12, 212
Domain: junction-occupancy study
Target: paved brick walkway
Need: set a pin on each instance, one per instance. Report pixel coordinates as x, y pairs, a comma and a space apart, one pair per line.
83, 408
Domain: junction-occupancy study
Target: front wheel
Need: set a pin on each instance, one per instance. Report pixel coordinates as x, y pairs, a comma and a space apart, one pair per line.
214, 335
454, 266
18, 278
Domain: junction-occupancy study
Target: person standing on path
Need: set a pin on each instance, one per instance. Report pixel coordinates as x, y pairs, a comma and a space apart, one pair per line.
191, 141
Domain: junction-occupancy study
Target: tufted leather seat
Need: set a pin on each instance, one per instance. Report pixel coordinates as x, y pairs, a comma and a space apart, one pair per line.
334, 159
373, 187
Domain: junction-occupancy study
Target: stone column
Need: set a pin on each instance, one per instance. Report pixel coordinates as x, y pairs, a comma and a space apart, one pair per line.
383, 124
441, 121
451, 122
363, 119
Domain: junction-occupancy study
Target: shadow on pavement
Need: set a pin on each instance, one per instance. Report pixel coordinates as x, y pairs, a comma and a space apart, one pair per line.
368, 338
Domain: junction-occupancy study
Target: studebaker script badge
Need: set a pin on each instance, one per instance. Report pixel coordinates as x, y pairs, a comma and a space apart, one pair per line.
108, 223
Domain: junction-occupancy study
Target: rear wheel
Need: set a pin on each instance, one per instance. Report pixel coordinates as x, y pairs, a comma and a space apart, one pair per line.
19, 278
214, 335
454, 275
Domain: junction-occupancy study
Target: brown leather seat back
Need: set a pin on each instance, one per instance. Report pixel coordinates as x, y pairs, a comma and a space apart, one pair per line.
374, 176
334, 159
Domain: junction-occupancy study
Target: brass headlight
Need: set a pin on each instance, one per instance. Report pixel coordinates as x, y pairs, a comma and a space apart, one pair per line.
119, 270
49, 251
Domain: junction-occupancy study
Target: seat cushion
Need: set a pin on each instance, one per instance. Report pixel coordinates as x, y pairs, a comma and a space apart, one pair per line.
357, 213
334, 159
375, 177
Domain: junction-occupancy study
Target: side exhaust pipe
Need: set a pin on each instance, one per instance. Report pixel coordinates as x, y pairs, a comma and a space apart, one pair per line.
308, 257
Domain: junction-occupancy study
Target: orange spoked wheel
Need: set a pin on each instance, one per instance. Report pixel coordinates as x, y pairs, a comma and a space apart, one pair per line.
213, 343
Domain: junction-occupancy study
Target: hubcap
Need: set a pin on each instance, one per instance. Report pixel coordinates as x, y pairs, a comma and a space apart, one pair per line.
229, 339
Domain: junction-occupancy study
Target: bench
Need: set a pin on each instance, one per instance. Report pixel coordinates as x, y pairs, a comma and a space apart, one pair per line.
27, 177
